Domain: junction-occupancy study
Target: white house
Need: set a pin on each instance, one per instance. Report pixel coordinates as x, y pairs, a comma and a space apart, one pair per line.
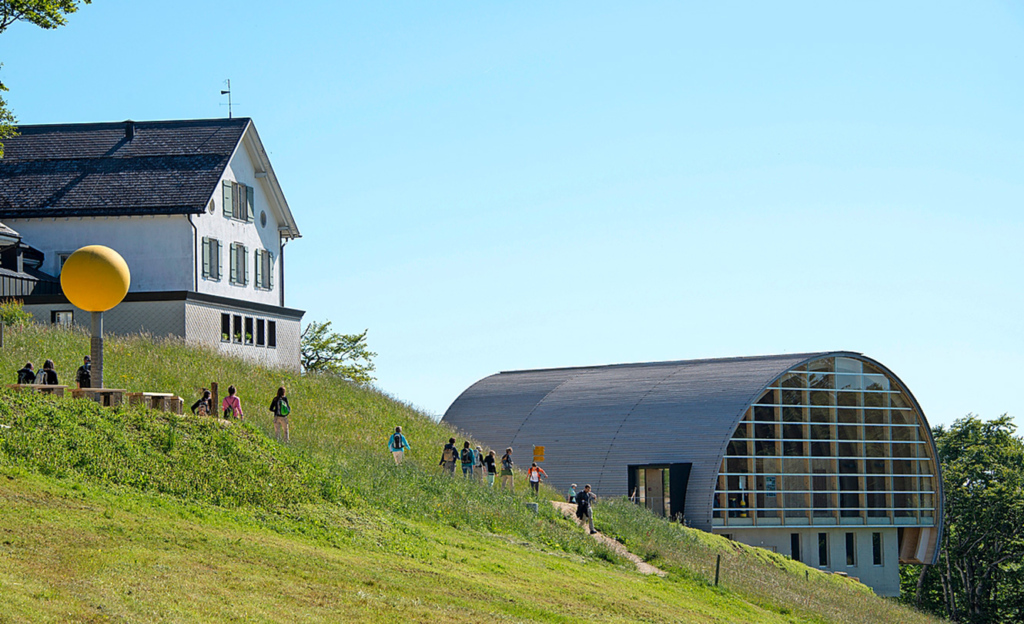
195, 209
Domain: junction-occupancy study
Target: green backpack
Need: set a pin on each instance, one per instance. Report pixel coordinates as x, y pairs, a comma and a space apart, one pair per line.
283, 409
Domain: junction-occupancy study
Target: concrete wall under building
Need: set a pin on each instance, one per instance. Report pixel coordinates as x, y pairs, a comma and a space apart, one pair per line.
883, 578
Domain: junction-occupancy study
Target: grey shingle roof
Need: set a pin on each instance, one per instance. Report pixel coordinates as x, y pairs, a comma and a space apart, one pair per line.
168, 167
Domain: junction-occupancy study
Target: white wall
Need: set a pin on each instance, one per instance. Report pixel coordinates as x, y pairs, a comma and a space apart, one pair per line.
884, 579
253, 235
158, 250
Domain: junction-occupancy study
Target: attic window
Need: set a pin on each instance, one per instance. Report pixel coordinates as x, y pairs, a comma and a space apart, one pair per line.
239, 201
213, 206
263, 218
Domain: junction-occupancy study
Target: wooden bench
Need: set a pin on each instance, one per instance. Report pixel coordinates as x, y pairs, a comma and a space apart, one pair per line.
40, 388
164, 401
107, 397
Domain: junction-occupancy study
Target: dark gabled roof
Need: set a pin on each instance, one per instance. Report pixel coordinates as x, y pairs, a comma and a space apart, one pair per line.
92, 170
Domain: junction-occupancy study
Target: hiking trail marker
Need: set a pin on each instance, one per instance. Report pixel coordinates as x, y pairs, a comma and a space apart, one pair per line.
95, 279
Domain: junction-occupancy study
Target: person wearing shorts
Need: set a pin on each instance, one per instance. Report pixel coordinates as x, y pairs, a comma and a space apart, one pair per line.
279, 406
397, 444
507, 477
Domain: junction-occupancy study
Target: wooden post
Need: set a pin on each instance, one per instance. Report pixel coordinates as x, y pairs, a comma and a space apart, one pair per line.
215, 404
718, 567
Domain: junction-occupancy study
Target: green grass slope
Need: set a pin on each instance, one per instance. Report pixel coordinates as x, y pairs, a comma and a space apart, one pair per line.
121, 515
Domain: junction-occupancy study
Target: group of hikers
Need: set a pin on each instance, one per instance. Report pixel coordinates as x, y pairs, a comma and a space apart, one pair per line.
231, 407
474, 461
27, 375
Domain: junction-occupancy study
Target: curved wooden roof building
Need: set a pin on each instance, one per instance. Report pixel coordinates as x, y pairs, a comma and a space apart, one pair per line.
797, 440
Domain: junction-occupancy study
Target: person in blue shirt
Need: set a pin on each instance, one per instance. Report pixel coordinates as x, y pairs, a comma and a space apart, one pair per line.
397, 444
571, 496
468, 459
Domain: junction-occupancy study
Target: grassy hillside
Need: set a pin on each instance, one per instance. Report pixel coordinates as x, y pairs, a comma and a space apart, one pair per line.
123, 515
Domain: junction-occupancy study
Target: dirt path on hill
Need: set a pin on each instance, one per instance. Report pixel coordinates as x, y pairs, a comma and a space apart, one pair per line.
642, 566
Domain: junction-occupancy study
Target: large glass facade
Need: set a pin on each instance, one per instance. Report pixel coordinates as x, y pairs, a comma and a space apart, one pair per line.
835, 441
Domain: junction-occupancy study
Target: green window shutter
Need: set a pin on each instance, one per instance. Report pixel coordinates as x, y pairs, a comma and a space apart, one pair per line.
244, 257
215, 258
236, 208
259, 269
228, 198
233, 258
270, 271
251, 206
206, 257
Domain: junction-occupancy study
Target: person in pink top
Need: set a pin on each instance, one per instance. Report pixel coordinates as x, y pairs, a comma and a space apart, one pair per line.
232, 405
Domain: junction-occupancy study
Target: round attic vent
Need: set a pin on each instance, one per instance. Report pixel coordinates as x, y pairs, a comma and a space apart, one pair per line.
211, 206
263, 218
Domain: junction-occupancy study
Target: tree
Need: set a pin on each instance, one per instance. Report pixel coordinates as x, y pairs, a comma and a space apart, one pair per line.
979, 578
47, 14
345, 355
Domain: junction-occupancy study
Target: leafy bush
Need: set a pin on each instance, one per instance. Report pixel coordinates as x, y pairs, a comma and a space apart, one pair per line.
13, 314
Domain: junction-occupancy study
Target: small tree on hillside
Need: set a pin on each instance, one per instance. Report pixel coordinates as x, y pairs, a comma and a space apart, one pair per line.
344, 355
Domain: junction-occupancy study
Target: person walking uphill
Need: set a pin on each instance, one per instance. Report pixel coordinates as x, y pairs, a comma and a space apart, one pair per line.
279, 406
507, 478
468, 458
232, 405
449, 456
535, 474
584, 506
397, 445
490, 468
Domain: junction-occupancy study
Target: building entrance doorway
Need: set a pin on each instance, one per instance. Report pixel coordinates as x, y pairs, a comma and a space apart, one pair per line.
660, 487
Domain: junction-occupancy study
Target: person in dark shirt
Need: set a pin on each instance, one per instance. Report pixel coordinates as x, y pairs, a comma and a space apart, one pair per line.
279, 406
584, 507
48, 375
204, 405
84, 374
491, 468
27, 375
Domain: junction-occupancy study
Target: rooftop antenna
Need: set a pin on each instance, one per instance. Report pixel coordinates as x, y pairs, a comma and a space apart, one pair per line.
227, 92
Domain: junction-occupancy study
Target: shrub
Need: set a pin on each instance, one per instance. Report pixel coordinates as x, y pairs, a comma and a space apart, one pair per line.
13, 314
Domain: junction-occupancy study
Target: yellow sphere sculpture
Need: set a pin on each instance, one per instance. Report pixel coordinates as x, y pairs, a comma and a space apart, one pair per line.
95, 278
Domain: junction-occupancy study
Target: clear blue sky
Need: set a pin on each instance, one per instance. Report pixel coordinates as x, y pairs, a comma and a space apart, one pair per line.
501, 185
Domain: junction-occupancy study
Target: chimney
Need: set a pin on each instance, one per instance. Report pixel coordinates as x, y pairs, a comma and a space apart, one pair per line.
129, 130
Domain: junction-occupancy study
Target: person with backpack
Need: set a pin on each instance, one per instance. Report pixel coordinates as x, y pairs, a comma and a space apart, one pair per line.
507, 476
48, 375
534, 475
449, 455
26, 375
490, 468
204, 406
397, 444
279, 406
84, 374
468, 458
584, 507
232, 405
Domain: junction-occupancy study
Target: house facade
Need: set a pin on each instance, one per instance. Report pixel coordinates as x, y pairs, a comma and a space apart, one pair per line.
824, 457
195, 209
